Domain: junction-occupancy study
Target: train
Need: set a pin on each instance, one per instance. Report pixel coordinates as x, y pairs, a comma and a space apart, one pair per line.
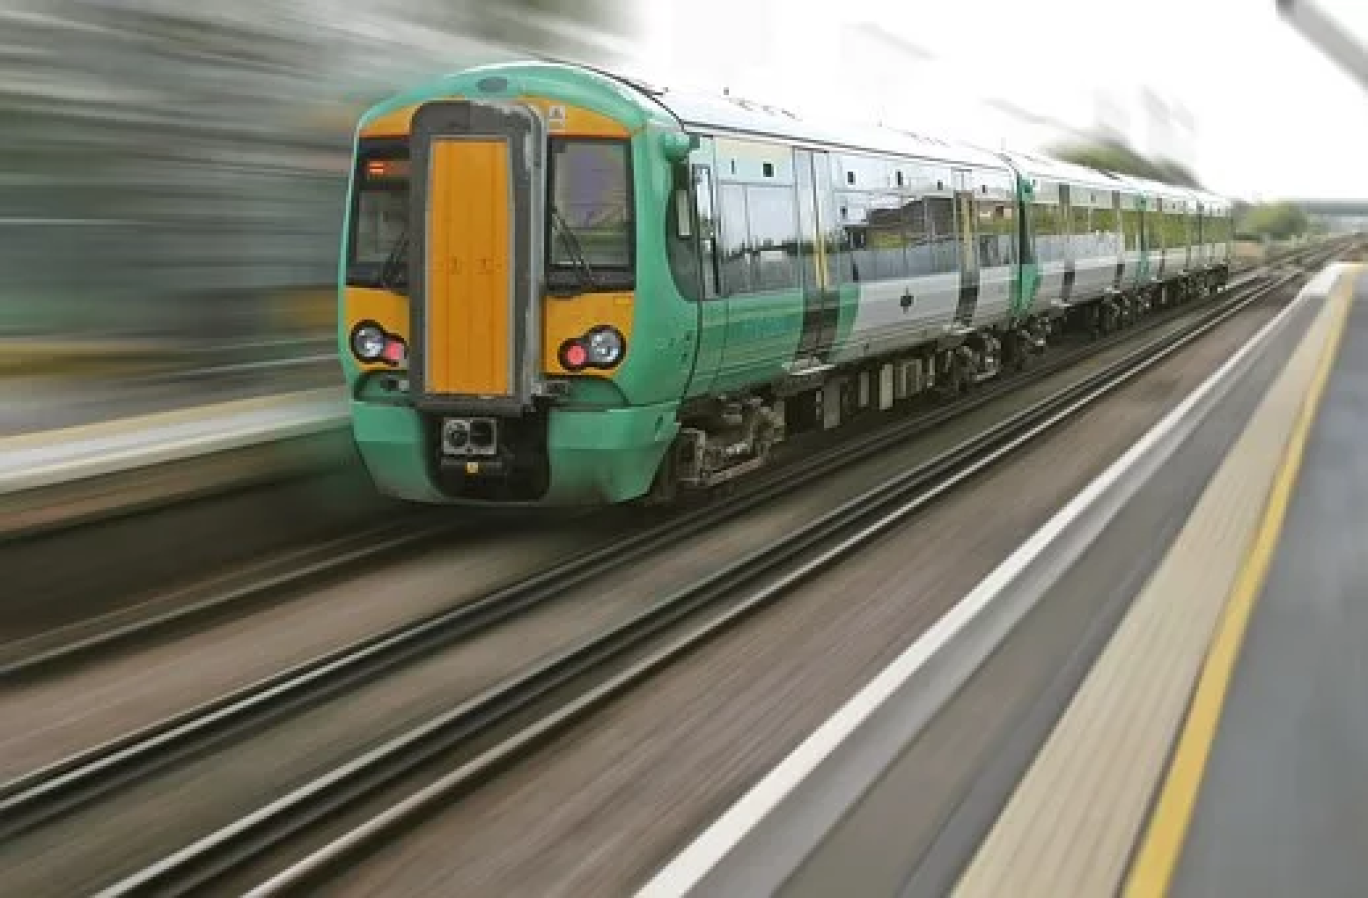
562, 286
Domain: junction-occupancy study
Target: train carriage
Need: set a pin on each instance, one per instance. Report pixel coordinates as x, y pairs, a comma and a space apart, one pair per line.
563, 287
1074, 216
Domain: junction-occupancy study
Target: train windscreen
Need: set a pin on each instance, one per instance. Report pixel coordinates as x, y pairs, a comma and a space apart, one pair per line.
377, 255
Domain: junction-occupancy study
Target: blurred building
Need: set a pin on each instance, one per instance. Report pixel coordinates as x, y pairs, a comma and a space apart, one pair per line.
167, 163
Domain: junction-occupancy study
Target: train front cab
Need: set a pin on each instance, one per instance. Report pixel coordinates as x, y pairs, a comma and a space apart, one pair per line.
489, 326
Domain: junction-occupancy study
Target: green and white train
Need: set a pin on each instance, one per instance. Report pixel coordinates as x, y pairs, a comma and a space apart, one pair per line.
564, 287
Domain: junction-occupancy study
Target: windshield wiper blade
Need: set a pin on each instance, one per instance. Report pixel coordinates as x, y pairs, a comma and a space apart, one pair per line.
393, 267
573, 247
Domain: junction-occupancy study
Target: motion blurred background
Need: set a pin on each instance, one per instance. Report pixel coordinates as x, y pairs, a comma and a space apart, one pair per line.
172, 172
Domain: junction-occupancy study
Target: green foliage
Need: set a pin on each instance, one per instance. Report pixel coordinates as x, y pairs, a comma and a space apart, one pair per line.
1278, 221
1116, 157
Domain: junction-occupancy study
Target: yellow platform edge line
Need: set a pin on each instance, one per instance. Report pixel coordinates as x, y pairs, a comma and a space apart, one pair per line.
1161, 847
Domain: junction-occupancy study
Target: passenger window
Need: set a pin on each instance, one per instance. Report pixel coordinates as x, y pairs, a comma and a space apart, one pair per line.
1080, 231
887, 237
773, 213
735, 260
920, 251
1045, 231
996, 230
854, 218
940, 219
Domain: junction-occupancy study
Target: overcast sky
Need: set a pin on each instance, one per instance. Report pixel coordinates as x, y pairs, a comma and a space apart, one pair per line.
1270, 116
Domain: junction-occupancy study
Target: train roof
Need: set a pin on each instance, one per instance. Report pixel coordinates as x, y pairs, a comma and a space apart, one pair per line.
1038, 166
721, 113
724, 114
746, 118
732, 115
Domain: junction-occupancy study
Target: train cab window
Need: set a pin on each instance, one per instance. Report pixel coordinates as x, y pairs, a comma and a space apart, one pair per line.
590, 222
380, 215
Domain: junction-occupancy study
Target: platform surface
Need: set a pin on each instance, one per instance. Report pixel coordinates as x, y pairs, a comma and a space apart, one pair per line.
1218, 744
1282, 807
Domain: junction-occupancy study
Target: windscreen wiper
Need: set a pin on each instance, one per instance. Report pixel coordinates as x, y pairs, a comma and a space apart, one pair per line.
394, 263
573, 247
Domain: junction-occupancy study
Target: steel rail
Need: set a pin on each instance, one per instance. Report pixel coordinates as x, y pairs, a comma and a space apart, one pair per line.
617, 659
36, 798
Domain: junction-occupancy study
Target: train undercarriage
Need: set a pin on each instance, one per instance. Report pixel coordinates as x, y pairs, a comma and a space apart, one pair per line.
724, 438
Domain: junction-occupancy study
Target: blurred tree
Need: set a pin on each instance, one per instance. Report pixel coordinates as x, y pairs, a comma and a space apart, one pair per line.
1112, 155
1278, 221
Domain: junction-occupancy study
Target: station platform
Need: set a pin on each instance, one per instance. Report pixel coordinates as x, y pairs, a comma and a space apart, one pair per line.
51, 405
48, 458
1218, 746
1267, 792
52, 385
61, 476
1164, 691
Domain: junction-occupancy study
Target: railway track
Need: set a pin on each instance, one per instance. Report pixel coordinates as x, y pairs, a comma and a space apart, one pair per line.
43, 653
572, 682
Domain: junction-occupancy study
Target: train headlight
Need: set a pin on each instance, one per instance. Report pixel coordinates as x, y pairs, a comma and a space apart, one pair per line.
605, 346
368, 341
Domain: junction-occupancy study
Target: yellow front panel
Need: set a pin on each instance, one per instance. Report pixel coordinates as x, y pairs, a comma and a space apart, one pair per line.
469, 332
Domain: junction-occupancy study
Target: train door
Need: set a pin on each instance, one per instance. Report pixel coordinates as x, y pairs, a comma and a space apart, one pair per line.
712, 309
476, 211
1068, 245
965, 222
821, 296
